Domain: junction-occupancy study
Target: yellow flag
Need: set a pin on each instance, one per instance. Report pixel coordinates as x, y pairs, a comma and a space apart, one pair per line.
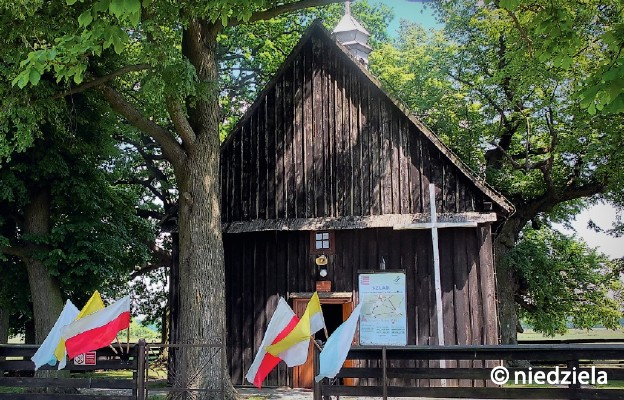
311, 322
94, 304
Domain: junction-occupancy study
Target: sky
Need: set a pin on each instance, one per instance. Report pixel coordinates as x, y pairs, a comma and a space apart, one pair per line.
603, 214
414, 11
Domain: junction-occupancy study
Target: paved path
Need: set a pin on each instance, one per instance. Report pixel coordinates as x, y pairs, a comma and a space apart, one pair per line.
298, 394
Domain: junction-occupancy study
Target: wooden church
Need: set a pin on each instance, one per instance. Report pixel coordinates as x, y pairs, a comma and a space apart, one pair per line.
326, 165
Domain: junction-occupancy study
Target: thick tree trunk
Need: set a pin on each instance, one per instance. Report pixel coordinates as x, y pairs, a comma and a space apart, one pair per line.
507, 281
4, 330
202, 271
173, 306
44, 290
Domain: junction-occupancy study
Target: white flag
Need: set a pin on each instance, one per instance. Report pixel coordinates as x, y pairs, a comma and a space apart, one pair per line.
335, 351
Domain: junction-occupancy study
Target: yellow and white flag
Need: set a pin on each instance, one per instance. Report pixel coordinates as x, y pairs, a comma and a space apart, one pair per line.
94, 304
311, 322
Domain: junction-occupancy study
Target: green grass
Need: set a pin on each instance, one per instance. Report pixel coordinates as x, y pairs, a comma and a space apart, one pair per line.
5, 390
597, 333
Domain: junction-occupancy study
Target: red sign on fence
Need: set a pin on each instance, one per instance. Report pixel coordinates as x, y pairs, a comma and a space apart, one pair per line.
88, 358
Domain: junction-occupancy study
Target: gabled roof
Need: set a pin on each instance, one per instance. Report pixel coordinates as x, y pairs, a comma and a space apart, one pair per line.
317, 28
348, 23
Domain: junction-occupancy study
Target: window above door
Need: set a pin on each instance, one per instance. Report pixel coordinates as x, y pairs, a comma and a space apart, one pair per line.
322, 242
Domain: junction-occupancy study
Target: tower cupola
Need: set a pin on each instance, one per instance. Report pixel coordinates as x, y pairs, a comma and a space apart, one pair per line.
351, 34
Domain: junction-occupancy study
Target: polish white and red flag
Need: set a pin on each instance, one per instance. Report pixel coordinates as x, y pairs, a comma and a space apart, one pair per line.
282, 323
98, 329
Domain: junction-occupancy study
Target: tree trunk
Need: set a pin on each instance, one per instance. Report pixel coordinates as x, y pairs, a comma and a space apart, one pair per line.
506, 280
202, 271
173, 306
44, 290
4, 330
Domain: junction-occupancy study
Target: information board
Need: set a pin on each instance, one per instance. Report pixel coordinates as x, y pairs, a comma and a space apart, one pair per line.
383, 318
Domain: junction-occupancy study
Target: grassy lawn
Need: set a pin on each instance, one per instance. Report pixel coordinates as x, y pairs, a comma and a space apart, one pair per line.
597, 333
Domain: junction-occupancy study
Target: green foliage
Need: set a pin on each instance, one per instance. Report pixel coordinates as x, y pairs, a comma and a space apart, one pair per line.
95, 240
139, 331
561, 279
478, 87
565, 33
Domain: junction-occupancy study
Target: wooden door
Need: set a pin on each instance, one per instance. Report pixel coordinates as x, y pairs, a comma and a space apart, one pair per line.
303, 375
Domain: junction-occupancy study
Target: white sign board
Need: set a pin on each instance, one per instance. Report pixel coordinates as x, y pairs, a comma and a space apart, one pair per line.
383, 320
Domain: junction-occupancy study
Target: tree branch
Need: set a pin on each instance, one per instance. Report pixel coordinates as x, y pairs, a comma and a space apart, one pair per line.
19, 252
180, 122
285, 8
171, 149
102, 80
487, 97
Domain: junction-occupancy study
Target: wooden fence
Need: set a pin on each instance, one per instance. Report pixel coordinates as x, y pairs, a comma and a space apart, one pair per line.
16, 364
542, 357
148, 371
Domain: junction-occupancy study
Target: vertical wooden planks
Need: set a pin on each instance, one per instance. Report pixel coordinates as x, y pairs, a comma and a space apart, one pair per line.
308, 132
262, 187
330, 84
446, 244
282, 151
247, 305
425, 174
488, 289
355, 144
290, 144
461, 299
339, 138
404, 182
281, 280
259, 290
386, 159
414, 172
271, 156
347, 161
474, 295
376, 140
298, 157
450, 189
318, 173
366, 168
396, 166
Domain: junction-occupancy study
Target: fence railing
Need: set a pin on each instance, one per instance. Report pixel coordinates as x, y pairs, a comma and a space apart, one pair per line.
21, 382
466, 371
158, 374
149, 373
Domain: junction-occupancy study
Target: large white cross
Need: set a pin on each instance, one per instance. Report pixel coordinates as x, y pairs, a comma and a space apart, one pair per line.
434, 225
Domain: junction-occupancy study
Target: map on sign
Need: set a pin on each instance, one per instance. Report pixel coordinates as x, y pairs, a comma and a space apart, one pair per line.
383, 318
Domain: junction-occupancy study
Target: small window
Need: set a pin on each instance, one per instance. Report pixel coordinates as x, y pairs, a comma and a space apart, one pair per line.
322, 242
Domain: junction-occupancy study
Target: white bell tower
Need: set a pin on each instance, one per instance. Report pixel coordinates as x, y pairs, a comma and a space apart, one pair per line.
353, 36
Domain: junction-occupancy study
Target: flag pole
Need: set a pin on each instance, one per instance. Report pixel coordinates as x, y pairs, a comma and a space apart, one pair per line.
113, 349
119, 343
326, 334
128, 341
316, 344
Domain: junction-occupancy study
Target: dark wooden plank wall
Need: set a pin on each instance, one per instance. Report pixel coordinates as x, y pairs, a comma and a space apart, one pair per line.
261, 266
324, 141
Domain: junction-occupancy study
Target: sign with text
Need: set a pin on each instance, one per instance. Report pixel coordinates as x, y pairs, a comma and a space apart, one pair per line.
383, 320
88, 358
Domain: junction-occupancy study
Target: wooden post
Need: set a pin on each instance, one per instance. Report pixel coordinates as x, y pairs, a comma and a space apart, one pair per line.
384, 373
140, 365
574, 364
317, 370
